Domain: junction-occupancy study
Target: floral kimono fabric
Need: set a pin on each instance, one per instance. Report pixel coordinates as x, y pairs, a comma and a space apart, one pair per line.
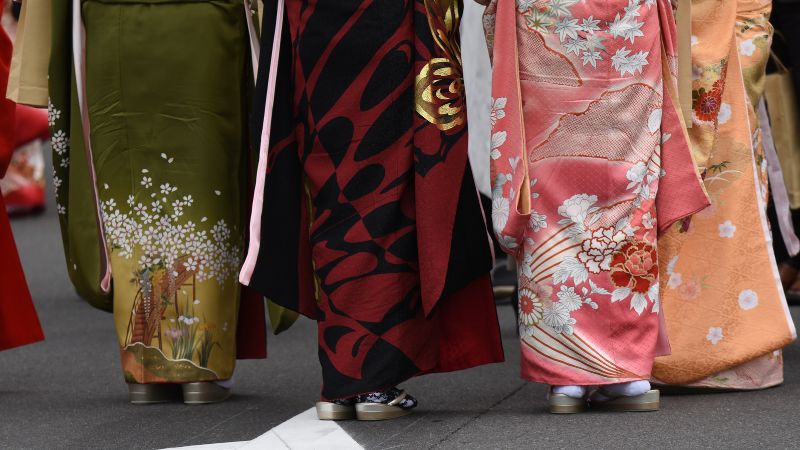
164, 134
366, 217
725, 308
589, 163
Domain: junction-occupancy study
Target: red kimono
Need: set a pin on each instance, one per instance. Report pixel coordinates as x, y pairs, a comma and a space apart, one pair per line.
19, 324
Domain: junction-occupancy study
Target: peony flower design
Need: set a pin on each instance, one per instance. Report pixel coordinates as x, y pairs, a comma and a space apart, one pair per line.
596, 252
748, 299
635, 267
530, 307
714, 335
576, 208
727, 229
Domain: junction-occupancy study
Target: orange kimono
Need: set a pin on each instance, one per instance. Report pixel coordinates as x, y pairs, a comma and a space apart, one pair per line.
726, 314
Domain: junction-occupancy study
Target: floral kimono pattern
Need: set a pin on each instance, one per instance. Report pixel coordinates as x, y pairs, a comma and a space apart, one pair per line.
163, 155
589, 163
724, 305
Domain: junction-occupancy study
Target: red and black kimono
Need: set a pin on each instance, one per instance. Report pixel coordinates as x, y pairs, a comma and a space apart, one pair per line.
366, 217
19, 324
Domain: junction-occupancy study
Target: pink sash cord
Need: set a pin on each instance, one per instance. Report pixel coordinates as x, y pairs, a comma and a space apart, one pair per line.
263, 154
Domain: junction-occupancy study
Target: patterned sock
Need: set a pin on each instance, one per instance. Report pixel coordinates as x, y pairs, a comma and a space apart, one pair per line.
570, 391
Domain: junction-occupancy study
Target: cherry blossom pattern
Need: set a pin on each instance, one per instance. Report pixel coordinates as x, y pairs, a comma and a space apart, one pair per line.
748, 299
714, 335
156, 231
59, 143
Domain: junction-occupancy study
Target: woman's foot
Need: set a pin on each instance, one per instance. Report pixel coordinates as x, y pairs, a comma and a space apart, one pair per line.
205, 392
566, 399
148, 394
384, 405
634, 396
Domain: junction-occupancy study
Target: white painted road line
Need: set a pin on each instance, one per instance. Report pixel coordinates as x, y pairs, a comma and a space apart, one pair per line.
303, 431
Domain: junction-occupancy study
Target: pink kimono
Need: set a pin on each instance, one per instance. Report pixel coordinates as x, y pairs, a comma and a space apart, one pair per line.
589, 162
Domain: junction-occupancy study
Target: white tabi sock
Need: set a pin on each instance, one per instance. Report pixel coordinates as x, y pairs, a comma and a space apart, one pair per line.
570, 391
630, 389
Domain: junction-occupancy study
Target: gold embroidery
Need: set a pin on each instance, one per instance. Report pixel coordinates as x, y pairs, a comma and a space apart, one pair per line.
439, 93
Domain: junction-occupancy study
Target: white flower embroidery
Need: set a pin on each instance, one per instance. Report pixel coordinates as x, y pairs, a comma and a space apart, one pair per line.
626, 27
748, 299
498, 139
524, 5
624, 62
561, 8
53, 114
576, 208
567, 28
556, 316
500, 211
747, 48
597, 251
508, 242
714, 335
147, 182
648, 221
727, 229
590, 24
724, 114
569, 298
59, 142
675, 280
591, 57
636, 176
498, 110
538, 221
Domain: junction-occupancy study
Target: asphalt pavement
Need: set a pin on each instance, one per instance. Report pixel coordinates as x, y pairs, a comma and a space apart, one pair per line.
68, 392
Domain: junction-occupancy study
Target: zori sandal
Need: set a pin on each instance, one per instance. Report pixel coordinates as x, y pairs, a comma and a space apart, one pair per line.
603, 401
387, 405
336, 410
148, 394
564, 404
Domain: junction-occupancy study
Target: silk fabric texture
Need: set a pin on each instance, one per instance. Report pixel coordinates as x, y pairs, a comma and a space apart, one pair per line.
369, 220
589, 163
19, 324
168, 153
726, 313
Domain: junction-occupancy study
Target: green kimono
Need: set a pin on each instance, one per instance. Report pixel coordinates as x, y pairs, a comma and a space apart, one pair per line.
166, 85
